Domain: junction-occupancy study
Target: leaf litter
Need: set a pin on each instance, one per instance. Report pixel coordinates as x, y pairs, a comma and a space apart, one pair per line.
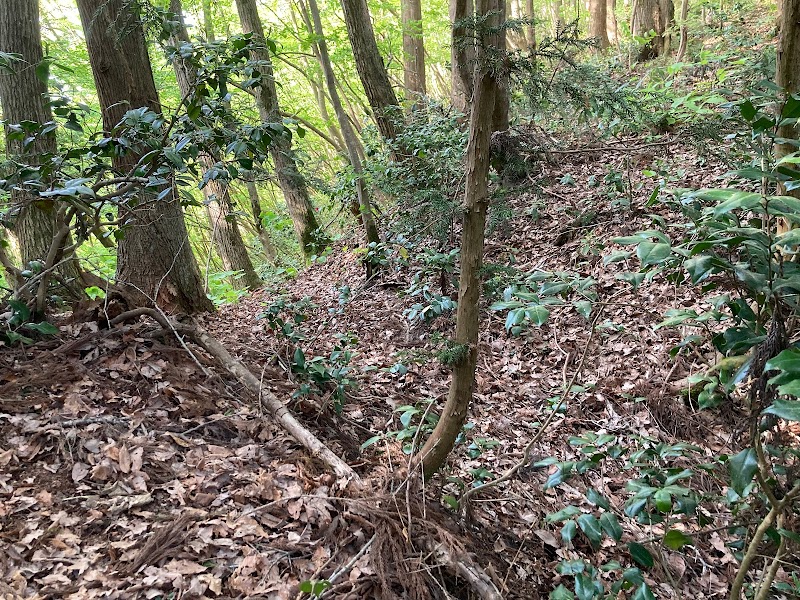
126, 471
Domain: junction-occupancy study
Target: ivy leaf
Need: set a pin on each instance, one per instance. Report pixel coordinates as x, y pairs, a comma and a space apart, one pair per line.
568, 531
565, 513
785, 409
537, 314
561, 593
640, 554
742, 467
652, 253
611, 526
597, 499
591, 527
643, 593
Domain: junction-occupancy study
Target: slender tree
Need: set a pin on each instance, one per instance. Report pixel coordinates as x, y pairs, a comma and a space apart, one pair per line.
23, 94
653, 16
154, 259
291, 182
413, 47
612, 29
364, 208
219, 207
502, 101
598, 23
476, 203
530, 30
263, 235
369, 64
684, 30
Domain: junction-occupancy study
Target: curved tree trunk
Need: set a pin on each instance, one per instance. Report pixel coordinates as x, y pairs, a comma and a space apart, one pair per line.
154, 259
413, 47
364, 208
219, 207
657, 16
371, 70
476, 203
23, 97
598, 17
290, 180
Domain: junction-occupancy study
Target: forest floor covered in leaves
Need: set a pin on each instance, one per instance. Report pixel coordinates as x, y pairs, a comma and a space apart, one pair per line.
132, 468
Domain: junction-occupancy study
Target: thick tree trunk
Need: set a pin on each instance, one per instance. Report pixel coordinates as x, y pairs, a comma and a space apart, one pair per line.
413, 47
462, 55
369, 64
598, 12
364, 208
23, 97
221, 215
476, 202
292, 184
653, 15
154, 260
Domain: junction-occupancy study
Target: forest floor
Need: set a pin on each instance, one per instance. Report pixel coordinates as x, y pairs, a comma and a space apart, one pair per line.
132, 469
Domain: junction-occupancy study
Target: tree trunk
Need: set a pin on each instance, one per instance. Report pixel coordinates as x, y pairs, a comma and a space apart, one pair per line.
558, 17
23, 97
413, 47
684, 30
787, 77
263, 235
364, 208
612, 30
476, 202
154, 259
290, 180
462, 55
530, 30
653, 15
502, 100
219, 207
369, 64
598, 12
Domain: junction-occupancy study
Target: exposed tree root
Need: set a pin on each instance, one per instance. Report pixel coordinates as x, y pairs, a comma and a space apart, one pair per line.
272, 403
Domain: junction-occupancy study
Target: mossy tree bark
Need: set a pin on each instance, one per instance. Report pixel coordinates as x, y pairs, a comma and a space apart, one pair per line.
24, 98
219, 207
476, 203
155, 262
290, 180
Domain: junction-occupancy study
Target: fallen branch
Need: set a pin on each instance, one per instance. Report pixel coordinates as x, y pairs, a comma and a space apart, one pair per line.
273, 404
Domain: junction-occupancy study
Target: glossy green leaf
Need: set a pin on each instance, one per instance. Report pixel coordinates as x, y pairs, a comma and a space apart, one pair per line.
676, 539
609, 523
651, 253
641, 554
785, 409
591, 527
742, 467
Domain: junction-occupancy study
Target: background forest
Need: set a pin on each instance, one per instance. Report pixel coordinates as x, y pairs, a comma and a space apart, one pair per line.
359, 299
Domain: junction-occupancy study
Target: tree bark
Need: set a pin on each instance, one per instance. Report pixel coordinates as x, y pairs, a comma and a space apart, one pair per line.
155, 262
653, 15
787, 77
291, 182
684, 31
558, 17
476, 202
221, 215
364, 208
263, 235
530, 30
369, 64
502, 100
462, 55
24, 98
612, 30
413, 47
598, 16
